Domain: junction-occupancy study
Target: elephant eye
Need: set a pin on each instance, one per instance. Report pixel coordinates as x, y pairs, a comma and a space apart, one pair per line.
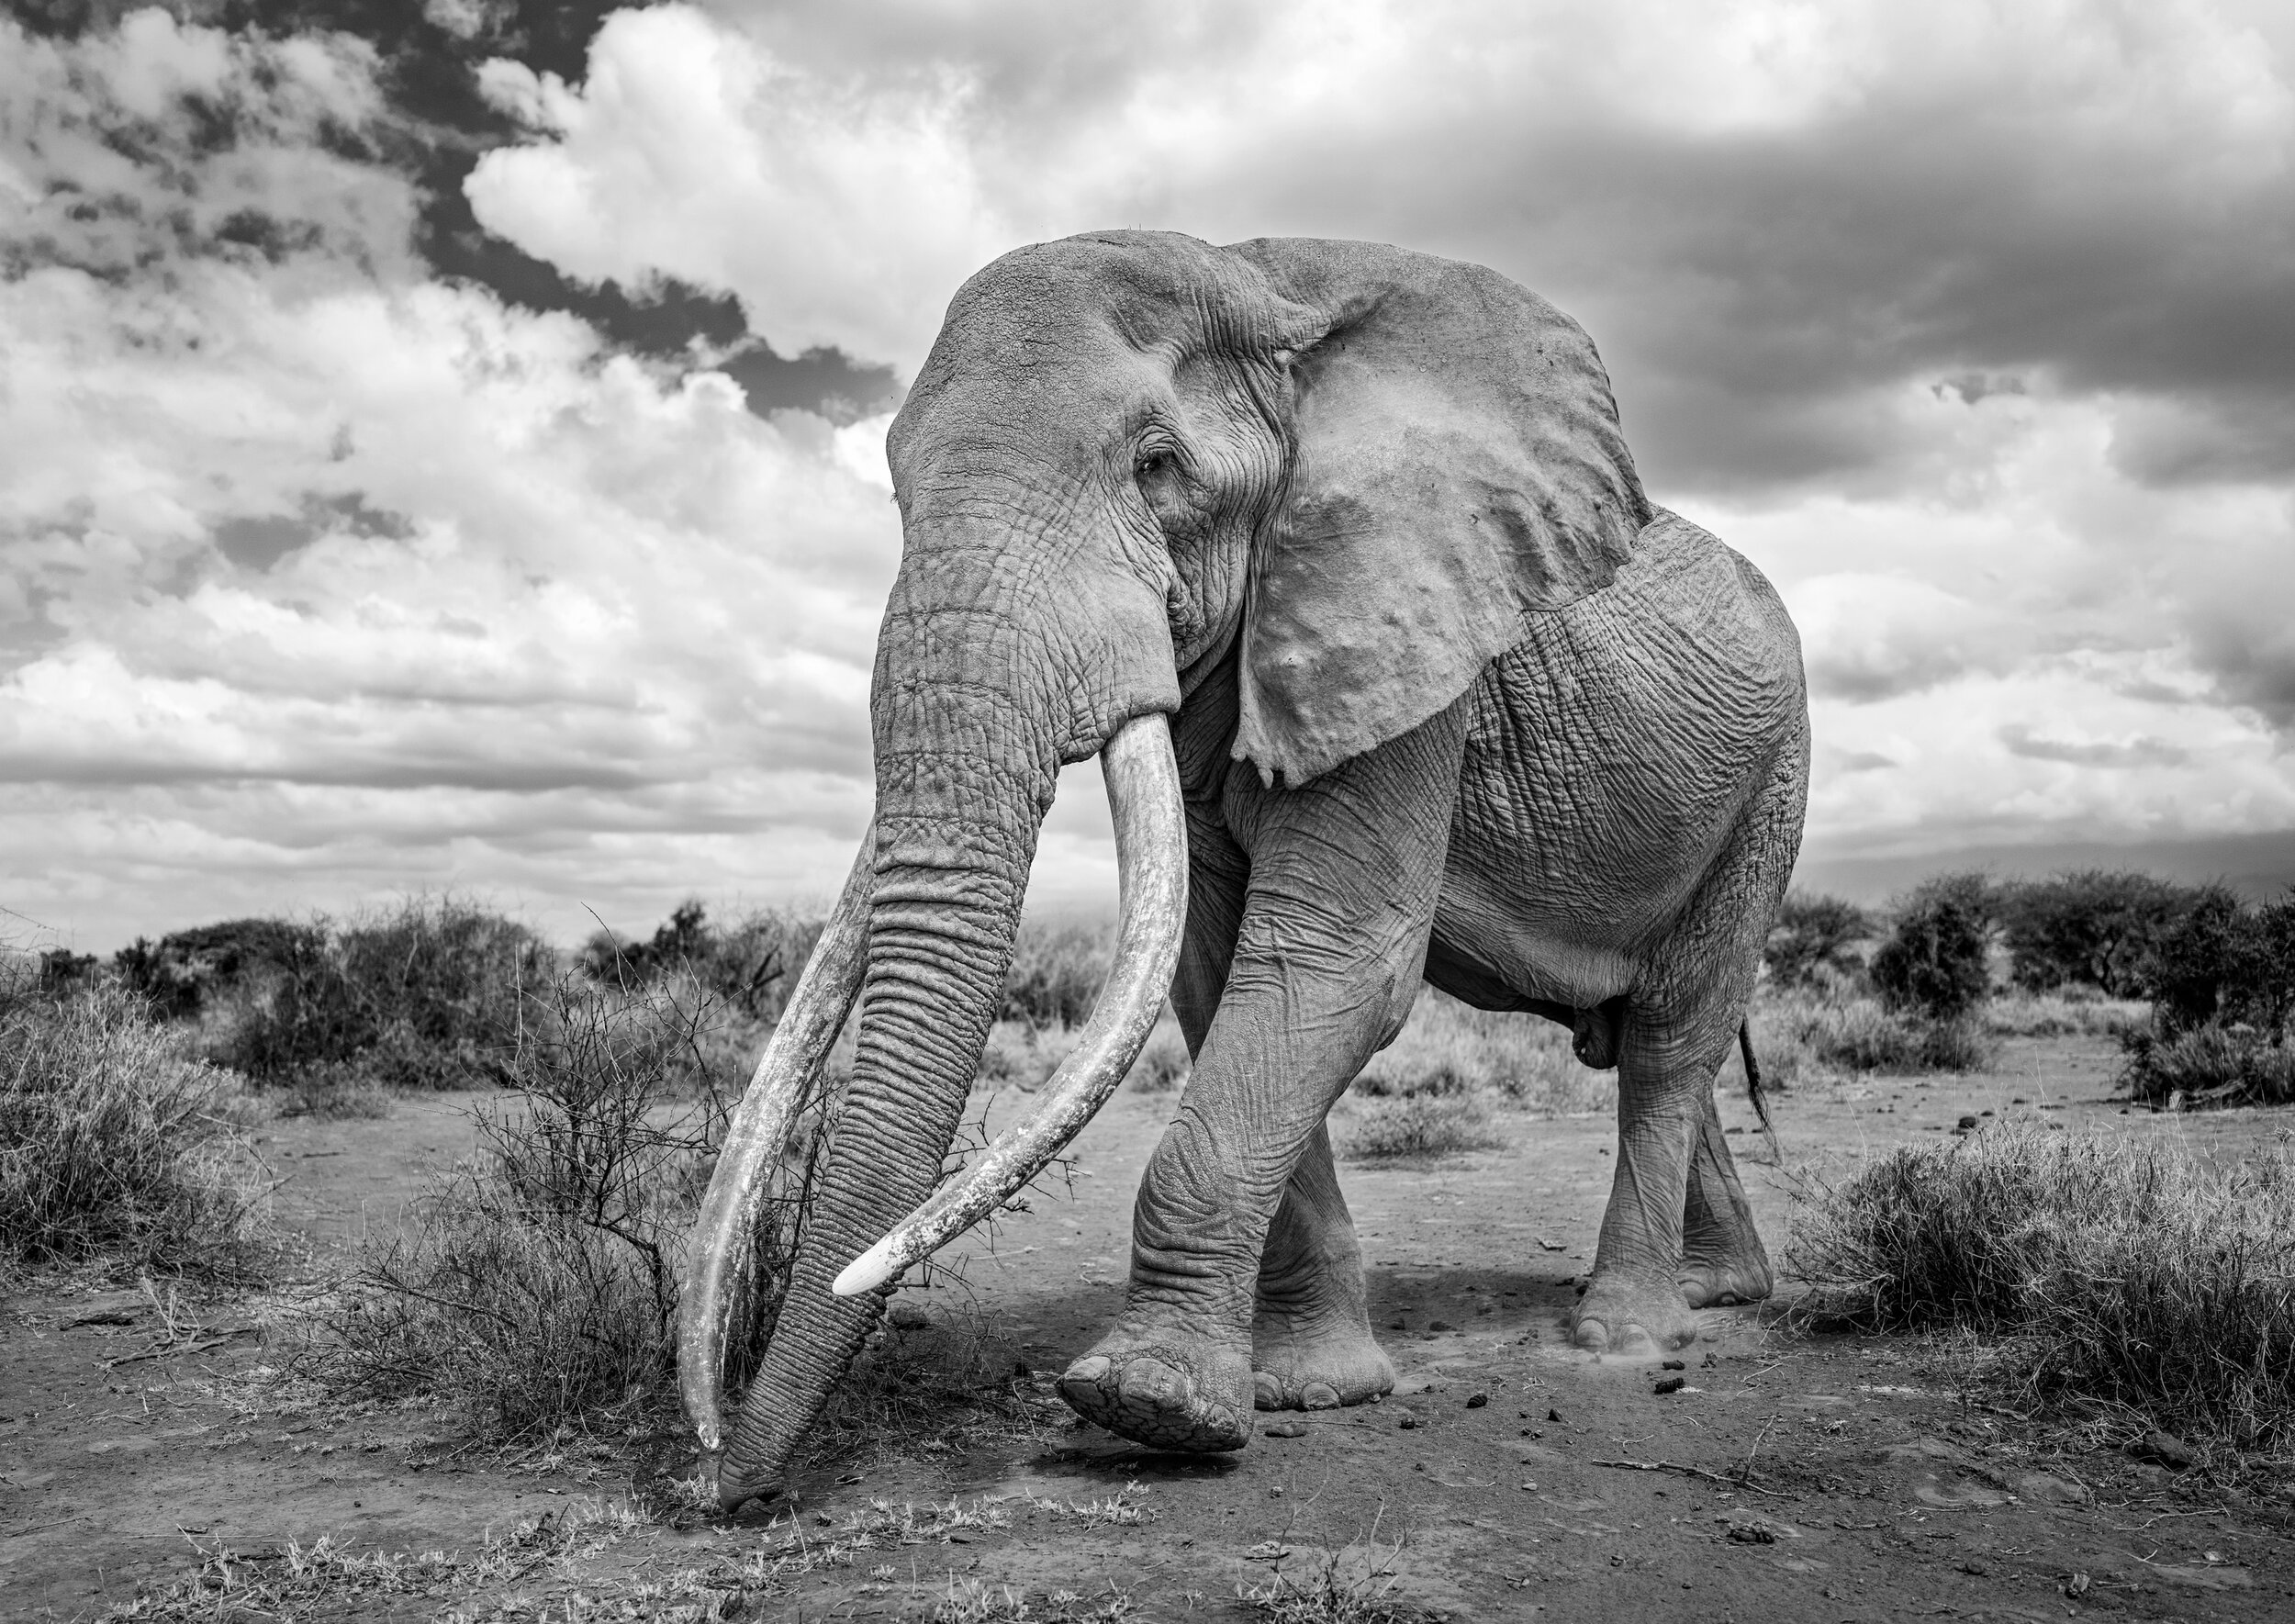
1151, 461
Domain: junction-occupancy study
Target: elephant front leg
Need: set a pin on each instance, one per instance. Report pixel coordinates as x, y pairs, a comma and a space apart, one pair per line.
1311, 1342
1345, 873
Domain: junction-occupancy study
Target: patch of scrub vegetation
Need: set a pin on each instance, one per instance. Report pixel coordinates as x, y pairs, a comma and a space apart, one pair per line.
2126, 1272
118, 1149
535, 1285
334, 1015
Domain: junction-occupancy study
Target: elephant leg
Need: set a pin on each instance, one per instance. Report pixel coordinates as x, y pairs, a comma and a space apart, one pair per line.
1634, 1302
1345, 874
1311, 1342
1678, 1233
1722, 1258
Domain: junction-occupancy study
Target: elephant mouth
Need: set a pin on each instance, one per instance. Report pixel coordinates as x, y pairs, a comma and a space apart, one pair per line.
1143, 784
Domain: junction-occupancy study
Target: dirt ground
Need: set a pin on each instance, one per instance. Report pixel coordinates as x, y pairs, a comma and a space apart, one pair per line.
1508, 1477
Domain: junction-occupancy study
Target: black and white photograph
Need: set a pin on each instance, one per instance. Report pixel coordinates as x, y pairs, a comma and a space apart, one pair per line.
1034, 812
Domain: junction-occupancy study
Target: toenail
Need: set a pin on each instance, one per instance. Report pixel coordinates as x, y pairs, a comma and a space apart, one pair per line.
1267, 1392
1089, 1370
1320, 1396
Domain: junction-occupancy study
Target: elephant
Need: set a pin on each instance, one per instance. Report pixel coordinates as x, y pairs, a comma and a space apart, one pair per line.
1334, 553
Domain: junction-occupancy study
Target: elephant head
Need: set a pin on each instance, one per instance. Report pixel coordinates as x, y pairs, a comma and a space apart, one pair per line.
1339, 472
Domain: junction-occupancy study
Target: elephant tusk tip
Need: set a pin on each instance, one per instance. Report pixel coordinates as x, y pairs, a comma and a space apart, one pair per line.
868, 1272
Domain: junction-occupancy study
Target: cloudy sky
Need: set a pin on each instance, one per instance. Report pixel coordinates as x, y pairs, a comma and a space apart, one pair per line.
453, 457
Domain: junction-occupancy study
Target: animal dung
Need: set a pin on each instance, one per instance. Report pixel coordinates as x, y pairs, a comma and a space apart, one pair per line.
1669, 1384
1406, 1420
1477, 1402
1283, 1430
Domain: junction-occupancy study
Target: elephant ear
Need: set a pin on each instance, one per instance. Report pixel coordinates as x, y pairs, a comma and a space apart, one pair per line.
1457, 466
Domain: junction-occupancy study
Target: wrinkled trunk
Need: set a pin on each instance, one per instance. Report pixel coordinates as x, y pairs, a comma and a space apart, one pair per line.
950, 875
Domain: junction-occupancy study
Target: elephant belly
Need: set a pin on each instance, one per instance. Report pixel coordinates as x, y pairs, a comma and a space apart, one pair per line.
1610, 764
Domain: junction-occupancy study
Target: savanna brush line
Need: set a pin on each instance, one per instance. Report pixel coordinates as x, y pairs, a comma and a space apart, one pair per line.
1335, 551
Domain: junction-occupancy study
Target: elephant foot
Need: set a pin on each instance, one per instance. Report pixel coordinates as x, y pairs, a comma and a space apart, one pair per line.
1714, 1283
1163, 1393
1635, 1318
1298, 1365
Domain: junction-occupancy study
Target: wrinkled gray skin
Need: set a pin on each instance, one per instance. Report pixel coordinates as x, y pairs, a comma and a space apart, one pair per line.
1563, 774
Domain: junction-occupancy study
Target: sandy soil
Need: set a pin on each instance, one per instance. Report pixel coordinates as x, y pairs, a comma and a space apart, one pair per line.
1486, 1487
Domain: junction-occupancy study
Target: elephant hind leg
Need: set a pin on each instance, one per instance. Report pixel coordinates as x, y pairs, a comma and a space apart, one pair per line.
1678, 1232
1311, 1342
1723, 1260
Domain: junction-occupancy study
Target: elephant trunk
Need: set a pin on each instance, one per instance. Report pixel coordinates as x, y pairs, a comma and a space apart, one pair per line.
954, 835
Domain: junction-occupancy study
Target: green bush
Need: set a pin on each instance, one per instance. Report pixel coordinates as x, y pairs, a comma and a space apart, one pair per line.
1813, 938
427, 995
2121, 1271
116, 1146
2093, 928
1935, 959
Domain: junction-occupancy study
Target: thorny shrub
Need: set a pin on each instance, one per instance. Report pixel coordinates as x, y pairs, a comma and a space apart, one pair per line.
536, 1286
538, 1281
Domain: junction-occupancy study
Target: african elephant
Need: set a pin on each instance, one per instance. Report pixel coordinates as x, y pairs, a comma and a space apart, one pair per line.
1335, 554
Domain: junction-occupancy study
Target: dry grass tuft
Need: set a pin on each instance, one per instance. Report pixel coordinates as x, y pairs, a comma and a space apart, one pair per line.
2124, 1272
118, 1147
1352, 1587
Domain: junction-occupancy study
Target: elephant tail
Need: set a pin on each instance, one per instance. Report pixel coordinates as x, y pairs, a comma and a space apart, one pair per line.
1754, 1091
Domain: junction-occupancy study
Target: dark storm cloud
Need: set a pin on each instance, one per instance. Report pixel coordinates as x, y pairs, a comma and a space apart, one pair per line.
440, 129
1747, 290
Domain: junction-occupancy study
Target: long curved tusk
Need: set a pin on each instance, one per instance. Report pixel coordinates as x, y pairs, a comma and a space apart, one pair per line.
755, 1137
1143, 781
